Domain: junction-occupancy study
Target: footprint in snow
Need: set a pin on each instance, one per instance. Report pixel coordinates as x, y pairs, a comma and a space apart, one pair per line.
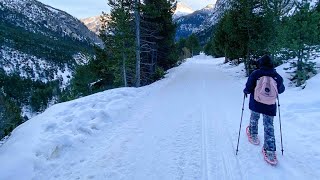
51, 127
68, 118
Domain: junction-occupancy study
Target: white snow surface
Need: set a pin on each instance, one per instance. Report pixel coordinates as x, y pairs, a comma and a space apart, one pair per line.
182, 127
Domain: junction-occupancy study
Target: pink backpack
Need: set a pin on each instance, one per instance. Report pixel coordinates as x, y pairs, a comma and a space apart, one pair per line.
266, 91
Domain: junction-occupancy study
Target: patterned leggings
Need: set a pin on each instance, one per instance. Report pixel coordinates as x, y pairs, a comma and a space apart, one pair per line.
269, 139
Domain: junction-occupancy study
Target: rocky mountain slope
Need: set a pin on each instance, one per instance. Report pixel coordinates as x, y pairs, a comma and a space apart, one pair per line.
193, 23
40, 47
35, 37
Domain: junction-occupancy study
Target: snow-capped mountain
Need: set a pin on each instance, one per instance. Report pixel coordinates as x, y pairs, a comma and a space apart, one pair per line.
202, 22
182, 9
207, 29
220, 7
40, 38
194, 22
39, 46
34, 16
93, 23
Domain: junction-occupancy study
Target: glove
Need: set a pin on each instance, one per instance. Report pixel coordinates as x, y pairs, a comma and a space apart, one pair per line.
246, 93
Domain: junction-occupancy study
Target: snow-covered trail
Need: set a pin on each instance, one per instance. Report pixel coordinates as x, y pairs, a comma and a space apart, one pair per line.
184, 127
173, 134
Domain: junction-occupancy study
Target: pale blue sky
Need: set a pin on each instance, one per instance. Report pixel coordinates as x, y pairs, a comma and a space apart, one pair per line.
88, 8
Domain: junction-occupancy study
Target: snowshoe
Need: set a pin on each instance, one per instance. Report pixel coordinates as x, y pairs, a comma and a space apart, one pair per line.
252, 139
270, 157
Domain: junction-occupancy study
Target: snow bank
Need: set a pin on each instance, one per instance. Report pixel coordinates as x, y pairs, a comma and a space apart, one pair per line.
61, 128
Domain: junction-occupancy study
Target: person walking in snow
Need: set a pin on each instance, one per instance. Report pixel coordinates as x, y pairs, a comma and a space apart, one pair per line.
264, 85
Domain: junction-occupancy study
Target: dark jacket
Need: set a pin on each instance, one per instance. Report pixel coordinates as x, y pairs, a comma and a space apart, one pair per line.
266, 69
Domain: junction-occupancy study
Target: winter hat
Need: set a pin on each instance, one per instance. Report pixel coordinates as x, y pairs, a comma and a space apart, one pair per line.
266, 62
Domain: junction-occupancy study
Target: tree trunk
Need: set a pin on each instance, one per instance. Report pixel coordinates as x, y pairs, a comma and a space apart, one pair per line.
225, 55
247, 59
124, 71
138, 59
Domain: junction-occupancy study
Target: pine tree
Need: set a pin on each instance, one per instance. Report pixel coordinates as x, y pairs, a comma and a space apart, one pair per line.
208, 48
181, 44
317, 12
303, 28
159, 29
223, 40
119, 41
182, 49
240, 37
193, 44
157, 38
11, 115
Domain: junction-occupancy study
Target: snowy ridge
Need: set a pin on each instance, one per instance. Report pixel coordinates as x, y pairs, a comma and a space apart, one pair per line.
40, 19
36, 17
45, 16
134, 133
220, 8
34, 68
193, 23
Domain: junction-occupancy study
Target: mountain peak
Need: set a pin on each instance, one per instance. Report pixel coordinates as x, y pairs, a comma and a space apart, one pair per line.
182, 9
94, 23
210, 6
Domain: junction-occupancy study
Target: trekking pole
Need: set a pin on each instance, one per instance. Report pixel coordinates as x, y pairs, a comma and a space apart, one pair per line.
280, 125
244, 98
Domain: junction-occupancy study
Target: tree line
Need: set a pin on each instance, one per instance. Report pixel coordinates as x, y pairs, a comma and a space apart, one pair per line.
284, 29
188, 47
138, 48
17, 92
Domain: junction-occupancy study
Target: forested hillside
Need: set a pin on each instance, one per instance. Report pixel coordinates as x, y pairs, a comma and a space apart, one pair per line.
40, 48
284, 29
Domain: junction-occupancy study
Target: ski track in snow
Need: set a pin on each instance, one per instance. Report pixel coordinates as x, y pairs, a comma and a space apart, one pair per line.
184, 127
